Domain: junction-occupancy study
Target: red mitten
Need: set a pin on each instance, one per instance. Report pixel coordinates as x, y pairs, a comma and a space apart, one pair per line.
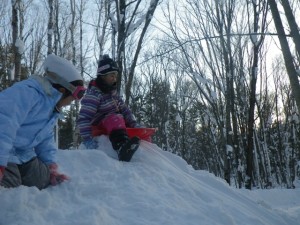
2, 168
55, 177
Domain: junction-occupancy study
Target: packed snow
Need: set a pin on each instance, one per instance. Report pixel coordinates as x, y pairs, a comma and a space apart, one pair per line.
156, 187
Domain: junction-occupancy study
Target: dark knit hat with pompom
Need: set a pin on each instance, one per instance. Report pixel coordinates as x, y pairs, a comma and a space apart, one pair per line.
106, 65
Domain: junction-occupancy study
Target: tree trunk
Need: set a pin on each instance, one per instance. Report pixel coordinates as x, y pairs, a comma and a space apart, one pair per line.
292, 23
148, 18
287, 55
121, 15
50, 27
16, 36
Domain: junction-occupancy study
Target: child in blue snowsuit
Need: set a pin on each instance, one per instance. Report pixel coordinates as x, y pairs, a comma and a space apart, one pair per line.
29, 111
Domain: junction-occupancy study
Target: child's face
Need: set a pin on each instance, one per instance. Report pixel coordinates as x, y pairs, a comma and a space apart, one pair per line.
65, 101
111, 78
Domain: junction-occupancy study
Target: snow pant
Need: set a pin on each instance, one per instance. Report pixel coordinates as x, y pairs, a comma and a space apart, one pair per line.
112, 122
32, 173
114, 126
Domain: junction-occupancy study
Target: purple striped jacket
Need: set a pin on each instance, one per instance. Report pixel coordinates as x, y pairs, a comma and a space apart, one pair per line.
96, 105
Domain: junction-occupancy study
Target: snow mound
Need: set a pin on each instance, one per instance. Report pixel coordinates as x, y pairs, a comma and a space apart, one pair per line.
156, 187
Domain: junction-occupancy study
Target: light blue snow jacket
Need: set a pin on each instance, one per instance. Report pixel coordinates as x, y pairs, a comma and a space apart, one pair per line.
27, 121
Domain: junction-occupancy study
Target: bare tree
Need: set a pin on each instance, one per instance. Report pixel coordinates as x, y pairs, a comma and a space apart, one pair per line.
101, 25
293, 26
259, 25
50, 26
287, 55
212, 44
16, 37
129, 18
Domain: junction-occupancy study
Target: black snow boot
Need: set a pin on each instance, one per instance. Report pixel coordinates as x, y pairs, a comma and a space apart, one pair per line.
124, 146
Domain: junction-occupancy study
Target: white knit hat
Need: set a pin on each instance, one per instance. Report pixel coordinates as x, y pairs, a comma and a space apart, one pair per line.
62, 67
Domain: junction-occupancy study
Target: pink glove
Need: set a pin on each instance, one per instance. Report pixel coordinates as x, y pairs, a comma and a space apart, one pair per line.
55, 177
2, 168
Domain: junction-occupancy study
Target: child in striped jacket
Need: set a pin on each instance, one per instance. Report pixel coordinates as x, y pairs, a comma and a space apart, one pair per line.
103, 109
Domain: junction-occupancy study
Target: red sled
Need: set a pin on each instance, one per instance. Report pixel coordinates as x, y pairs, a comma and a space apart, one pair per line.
142, 133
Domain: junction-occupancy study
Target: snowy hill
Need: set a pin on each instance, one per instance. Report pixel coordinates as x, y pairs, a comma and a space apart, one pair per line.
156, 187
